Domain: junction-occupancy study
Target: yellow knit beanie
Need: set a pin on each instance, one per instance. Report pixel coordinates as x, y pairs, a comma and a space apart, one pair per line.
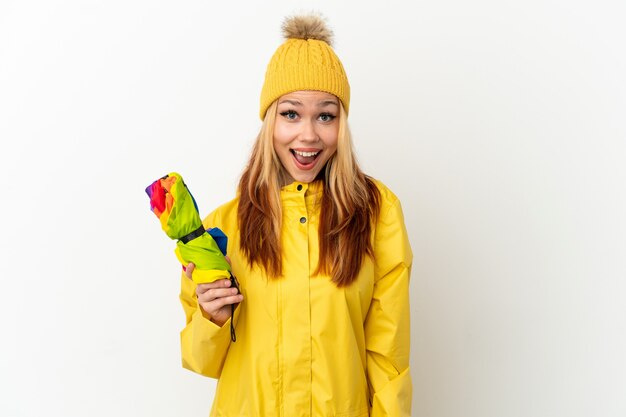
305, 61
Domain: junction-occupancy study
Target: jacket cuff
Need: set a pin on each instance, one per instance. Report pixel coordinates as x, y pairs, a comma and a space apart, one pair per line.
205, 344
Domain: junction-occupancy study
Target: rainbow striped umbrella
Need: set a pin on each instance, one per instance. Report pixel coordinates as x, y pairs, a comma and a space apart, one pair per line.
173, 204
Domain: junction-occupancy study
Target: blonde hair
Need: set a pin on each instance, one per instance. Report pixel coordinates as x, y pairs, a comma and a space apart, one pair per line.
351, 201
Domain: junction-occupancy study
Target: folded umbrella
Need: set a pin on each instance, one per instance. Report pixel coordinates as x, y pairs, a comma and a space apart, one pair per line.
173, 204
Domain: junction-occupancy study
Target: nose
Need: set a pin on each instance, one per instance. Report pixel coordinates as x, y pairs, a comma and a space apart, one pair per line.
309, 133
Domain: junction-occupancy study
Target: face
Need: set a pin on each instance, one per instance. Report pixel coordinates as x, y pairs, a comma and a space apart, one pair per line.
305, 132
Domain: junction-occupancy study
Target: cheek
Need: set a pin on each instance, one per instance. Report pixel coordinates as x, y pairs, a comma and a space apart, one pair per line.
282, 134
331, 139
280, 146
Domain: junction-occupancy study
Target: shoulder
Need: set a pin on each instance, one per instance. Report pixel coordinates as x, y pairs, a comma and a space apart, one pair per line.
390, 220
391, 241
387, 198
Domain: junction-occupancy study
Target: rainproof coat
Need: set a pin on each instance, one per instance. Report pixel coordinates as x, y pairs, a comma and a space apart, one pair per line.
305, 347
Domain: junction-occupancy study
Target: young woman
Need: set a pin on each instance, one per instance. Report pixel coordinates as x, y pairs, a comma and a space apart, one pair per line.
322, 258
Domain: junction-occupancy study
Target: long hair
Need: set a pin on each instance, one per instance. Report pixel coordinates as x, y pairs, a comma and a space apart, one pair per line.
350, 206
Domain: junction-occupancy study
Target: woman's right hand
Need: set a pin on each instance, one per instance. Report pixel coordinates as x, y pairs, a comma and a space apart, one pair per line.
215, 298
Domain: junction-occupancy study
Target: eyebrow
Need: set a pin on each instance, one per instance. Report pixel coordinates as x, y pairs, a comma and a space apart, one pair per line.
320, 104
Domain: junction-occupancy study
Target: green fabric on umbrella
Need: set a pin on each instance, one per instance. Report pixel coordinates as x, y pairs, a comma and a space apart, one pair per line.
173, 204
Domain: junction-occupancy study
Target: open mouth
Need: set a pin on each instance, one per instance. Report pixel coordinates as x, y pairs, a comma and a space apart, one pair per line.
305, 159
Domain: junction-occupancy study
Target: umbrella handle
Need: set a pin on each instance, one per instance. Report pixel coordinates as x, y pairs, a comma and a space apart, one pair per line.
234, 283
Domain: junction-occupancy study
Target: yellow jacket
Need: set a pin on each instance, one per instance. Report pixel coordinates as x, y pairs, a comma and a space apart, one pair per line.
305, 347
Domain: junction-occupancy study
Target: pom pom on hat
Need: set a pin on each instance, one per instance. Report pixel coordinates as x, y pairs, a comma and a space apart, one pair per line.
307, 27
305, 61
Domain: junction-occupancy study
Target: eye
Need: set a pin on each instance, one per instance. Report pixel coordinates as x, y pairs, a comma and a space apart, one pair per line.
289, 114
327, 117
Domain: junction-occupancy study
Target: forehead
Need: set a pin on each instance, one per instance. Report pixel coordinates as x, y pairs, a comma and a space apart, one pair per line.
308, 96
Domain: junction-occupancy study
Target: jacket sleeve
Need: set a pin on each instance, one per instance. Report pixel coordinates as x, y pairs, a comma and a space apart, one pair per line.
204, 344
387, 325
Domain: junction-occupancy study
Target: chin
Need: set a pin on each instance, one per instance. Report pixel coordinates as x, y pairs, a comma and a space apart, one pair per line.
305, 177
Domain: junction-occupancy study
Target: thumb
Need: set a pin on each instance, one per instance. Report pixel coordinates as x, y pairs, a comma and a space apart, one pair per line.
189, 269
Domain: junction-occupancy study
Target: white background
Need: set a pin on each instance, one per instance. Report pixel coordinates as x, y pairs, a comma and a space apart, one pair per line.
499, 124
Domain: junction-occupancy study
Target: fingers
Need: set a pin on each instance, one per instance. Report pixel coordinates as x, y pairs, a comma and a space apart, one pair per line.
215, 290
212, 306
215, 293
213, 300
220, 283
228, 260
